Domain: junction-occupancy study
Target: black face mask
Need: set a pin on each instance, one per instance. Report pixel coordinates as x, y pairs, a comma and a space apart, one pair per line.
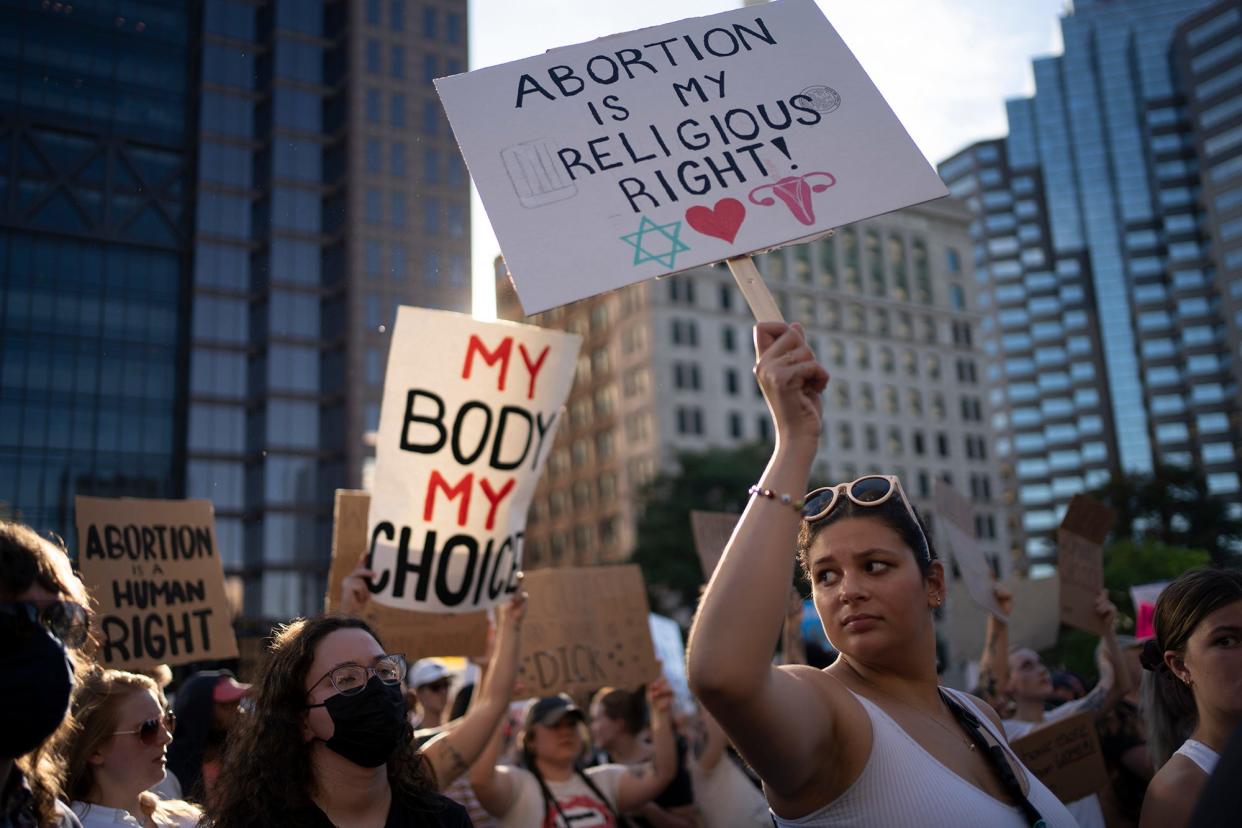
36, 679
369, 725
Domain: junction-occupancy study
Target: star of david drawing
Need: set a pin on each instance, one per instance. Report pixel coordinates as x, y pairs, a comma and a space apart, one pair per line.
671, 232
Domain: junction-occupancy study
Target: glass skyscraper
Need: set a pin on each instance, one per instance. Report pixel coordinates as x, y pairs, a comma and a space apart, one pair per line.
303, 183
1101, 247
96, 114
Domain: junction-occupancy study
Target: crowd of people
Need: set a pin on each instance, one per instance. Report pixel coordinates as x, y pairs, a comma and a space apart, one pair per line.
338, 730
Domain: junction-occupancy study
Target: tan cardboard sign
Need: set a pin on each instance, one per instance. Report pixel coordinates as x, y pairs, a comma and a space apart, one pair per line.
156, 580
1080, 560
957, 526
586, 628
416, 634
712, 531
1066, 756
1035, 621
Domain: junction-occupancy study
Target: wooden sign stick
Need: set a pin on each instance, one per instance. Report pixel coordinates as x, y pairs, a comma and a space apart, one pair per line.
755, 290
756, 293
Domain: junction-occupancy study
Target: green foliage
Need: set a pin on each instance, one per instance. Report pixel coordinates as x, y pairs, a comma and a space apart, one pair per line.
1127, 563
715, 480
1172, 506
1130, 563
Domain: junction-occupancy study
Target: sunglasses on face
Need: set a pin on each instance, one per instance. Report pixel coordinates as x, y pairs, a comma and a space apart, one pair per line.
870, 490
436, 686
68, 621
349, 679
149, 731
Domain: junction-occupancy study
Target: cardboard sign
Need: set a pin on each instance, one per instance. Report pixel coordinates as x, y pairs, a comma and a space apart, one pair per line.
157, 581
586, 628
712, 531
671, 651
1080, 560
957, 525
660, 150
415, 634
1035, 621
1066, 756
1144, 597
469, 413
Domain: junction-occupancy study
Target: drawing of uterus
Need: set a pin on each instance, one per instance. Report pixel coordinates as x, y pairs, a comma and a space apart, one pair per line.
795, 191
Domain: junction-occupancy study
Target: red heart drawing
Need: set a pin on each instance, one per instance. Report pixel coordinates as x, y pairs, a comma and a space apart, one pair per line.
721, 221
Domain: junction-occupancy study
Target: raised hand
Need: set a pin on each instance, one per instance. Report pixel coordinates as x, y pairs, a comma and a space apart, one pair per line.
1004, 598
791, 380
355, 593
660, 696
1105, 609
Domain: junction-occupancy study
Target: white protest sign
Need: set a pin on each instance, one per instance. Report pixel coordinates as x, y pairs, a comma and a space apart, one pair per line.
659, 150
469, 413
671, 651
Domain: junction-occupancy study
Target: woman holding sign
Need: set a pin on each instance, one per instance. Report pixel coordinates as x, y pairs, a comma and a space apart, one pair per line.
551, 790
1192, 693
872, 739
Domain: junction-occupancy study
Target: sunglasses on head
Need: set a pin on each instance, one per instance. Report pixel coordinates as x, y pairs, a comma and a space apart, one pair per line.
869, 490
149, 731
67, 620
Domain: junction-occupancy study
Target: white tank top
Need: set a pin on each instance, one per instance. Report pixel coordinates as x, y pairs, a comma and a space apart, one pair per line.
904, 786
1200, 754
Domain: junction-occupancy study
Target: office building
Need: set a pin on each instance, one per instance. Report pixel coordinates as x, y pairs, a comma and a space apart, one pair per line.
272, 180
1104, 253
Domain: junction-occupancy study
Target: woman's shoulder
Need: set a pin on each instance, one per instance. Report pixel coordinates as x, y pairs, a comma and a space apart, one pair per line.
1172, 792
444, 812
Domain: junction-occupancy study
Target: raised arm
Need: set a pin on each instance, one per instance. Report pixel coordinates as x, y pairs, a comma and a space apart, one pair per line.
493, 788
644, 783
776, 716
710, 742
452, 753
994, 663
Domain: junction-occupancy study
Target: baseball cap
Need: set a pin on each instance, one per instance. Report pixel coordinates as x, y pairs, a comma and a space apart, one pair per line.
426, 671
550, 710
228, 689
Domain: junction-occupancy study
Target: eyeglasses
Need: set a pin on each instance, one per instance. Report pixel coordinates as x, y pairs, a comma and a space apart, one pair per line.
149, 731
871, 490
349, 679
68, 621
436, 686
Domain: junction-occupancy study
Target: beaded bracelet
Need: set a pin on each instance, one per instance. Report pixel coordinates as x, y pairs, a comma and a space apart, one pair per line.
788, 500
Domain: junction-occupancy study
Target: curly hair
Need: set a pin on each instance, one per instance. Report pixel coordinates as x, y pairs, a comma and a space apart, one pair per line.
267, 777
27, 559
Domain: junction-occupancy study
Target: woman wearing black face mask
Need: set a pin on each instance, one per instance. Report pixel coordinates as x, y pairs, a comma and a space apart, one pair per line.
42, 620
327, 742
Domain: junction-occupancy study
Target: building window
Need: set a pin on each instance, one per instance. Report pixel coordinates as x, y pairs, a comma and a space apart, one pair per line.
396, 110
689, 420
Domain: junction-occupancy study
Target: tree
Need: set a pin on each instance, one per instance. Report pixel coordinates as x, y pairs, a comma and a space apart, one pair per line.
714, 480
1172, 506
1127, 563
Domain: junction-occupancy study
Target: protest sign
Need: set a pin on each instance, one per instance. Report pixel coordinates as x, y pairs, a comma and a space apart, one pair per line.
469, 413
1144, 597
1035, 621
957, 525
1080, 560
1065, 755
586, 628
414, 634
659, 150
712, 531
671, 651
157, 581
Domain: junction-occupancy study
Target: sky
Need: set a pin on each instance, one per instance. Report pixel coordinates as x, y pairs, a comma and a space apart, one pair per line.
944, 66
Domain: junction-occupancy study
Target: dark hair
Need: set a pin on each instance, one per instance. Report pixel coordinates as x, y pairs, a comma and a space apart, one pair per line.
1168, 704
266, 777
892, 513
629, 708
461, 702
26, 559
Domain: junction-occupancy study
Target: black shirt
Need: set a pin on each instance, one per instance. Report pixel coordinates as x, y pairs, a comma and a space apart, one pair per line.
438, 812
